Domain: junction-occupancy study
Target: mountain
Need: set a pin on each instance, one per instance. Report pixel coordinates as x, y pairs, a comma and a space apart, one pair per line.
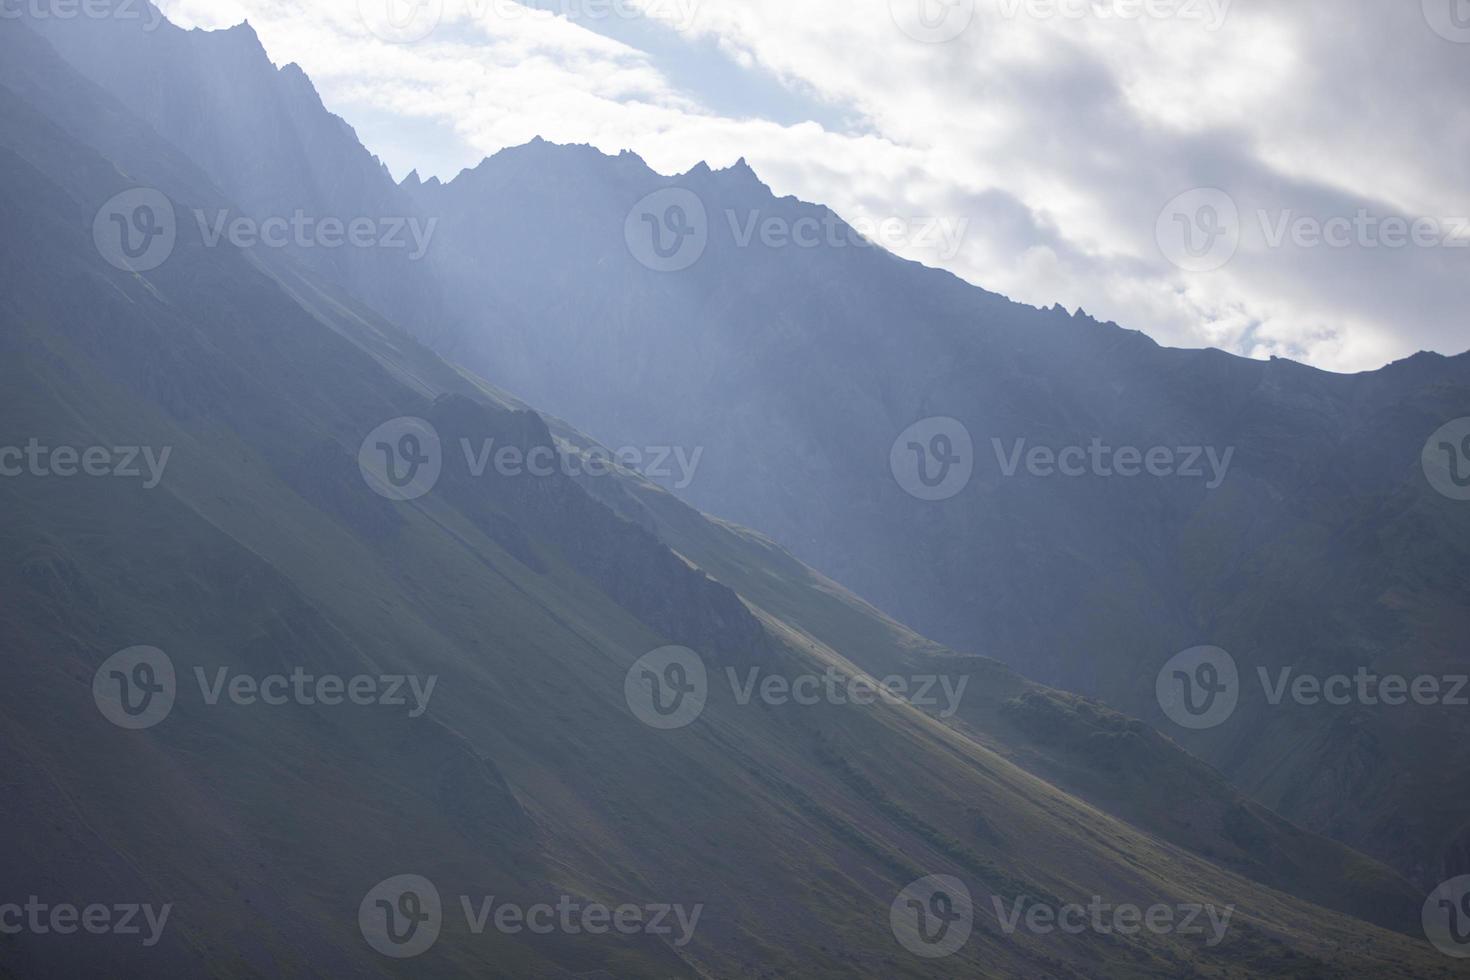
793, 357
268, 545
263, 136
1309, 540
1116, 763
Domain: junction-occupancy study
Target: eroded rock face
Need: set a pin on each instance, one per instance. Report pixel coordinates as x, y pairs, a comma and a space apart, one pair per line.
630, 564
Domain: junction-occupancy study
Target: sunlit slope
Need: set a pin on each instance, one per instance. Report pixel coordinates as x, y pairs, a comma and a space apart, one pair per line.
263, 549
1319, 546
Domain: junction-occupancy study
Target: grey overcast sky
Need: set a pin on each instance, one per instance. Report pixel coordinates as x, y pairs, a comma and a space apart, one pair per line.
1287, 177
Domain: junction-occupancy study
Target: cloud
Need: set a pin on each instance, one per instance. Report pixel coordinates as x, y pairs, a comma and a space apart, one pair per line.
1058, 129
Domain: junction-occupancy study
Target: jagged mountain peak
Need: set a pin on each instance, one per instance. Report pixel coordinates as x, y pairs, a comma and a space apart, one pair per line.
795, 365
541, 156
241, 36
243, 30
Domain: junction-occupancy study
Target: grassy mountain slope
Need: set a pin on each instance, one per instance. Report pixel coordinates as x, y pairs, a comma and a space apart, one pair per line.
263, 549
1117, 763
794, 369
1323, 549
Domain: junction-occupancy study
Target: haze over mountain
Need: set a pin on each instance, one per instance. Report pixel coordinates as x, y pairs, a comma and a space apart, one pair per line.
1310, 539
791, 371
1059, 129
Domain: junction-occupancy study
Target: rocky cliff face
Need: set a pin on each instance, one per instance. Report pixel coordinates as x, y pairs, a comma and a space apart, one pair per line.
630, 564
263, 136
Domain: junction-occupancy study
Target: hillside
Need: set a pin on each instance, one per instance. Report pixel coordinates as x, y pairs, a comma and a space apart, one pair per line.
1304, 536
261, 549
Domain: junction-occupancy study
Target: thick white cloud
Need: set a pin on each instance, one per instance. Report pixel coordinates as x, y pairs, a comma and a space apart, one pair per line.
1058, 129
